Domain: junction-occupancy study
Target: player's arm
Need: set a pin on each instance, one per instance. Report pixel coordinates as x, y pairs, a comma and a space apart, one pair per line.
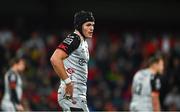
155, 101
57, 63
61, 53
12, 80
155, 85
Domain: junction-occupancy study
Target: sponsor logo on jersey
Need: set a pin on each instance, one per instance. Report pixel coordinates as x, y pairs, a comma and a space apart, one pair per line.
82, 61
70, 70
69, 40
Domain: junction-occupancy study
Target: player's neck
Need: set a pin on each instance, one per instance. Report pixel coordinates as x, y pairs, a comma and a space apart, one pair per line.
78, 33
152, 70
14, 69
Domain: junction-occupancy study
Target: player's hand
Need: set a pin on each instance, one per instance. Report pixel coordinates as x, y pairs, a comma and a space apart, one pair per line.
19, 107
69, 91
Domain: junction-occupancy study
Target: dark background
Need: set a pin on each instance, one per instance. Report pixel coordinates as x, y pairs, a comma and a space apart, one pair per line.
117, 14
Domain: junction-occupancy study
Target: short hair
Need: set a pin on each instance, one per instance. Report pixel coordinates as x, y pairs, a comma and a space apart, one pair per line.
15, 60
154, 58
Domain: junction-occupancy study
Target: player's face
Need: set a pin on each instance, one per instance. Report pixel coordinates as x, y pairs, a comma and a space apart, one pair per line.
87, 29
160, 66
21, 65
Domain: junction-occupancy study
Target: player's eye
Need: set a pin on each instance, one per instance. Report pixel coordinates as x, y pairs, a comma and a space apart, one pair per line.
88, 24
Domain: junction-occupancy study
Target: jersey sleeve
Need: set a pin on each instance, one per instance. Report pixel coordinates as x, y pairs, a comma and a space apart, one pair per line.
70, 43
12, 80
137, 84
155, 83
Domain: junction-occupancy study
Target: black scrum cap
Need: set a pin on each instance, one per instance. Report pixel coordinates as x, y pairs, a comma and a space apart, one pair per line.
82, 17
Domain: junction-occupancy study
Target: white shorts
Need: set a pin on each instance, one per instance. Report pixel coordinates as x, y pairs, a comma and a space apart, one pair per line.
7, 106
74, 104
137, 107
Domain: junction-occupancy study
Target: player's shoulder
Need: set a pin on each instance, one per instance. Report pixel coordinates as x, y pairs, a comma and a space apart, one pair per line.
73, 36
9, 72
72, 39
141, 73
10, 75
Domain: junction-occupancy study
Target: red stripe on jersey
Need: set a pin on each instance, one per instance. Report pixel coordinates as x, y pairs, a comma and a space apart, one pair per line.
12, 85
63, 46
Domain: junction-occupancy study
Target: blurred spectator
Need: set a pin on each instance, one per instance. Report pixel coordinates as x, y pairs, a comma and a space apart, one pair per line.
6, 37
172, 101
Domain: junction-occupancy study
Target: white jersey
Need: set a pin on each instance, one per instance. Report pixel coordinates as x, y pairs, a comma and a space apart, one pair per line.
8, 100
144, 82
76, 64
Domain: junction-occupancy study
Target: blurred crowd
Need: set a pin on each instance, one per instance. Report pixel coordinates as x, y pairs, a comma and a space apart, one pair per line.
114, 58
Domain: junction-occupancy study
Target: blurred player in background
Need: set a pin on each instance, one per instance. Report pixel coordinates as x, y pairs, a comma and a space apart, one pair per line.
11, 100
70, 62
146, 85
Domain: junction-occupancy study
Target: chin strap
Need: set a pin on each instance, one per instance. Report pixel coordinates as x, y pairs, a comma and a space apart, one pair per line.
80, 31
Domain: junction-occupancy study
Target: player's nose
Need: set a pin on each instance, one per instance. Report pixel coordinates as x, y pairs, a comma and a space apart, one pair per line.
91, 28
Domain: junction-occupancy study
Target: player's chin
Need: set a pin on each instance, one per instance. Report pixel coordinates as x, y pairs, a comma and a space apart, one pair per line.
89, 36
161, 72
